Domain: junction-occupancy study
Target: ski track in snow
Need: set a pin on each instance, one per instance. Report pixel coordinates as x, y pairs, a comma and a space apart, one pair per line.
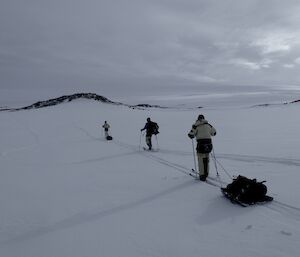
275, 205
282, 208
243, 158
16, 149
104, 158
252, 158
91, 216
234, 157
85, 132
98, 215
31, 131
286, 210
34, 135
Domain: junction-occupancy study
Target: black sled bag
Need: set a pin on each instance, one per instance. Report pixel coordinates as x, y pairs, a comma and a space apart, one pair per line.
246, 191
109, 138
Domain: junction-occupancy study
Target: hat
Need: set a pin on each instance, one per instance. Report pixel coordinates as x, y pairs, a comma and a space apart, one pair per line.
201, 117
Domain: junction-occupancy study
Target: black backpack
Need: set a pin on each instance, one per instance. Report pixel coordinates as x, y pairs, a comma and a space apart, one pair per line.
204, 145
154, 128
246, 190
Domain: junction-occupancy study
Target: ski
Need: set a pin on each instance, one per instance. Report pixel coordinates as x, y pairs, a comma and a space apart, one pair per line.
210, 182
233, 200
239, 203
212, 179
194, 175
207, 181
152, 150
268, 199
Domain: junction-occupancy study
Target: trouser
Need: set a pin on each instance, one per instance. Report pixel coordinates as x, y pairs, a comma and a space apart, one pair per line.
106, 133
203, 164
148, 141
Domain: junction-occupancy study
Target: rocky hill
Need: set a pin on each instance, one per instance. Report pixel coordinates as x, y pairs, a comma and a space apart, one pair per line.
69, 98
99, 98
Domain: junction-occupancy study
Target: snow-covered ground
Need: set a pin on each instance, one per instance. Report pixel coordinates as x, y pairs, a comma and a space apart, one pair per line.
65, 191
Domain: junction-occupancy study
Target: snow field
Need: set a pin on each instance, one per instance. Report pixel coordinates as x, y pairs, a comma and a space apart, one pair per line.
65, 191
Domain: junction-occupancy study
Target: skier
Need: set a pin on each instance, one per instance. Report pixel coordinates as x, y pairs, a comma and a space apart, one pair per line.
151, 129
106, 127
203, 131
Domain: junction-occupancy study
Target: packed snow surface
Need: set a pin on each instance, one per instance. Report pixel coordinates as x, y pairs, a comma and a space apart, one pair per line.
66, 191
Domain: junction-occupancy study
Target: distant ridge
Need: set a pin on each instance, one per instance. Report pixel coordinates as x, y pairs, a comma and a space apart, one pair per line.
69, 98
99, 98
266, 105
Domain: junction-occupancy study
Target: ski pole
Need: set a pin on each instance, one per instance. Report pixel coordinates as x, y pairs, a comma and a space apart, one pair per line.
215, 161
194, 154
227, 173
216, 165
140, 141
157, 142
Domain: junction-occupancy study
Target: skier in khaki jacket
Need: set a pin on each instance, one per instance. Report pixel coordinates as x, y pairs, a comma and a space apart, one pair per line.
203, 132
106, 127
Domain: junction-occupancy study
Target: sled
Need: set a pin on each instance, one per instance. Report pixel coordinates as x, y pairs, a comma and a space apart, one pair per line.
109, 138
235, 200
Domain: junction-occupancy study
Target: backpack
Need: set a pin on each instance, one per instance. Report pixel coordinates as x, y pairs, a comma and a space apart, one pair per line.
246, 190
154, 128
204, 145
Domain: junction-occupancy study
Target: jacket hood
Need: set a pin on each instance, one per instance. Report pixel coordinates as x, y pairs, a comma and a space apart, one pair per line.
200, 122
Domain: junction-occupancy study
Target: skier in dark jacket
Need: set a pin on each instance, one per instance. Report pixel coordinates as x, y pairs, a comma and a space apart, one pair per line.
151, 129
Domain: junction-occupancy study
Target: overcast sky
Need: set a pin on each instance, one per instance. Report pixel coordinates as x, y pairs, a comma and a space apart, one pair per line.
95, 43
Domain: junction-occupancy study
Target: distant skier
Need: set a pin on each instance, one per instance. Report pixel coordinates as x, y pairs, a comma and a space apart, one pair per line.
106, 127
151, 129
203, 131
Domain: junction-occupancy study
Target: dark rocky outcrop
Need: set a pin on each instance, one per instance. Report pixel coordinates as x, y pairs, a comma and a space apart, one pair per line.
69, 98
147, 106
296, 101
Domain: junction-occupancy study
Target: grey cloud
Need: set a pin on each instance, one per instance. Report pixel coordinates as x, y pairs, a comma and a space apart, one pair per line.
110, 42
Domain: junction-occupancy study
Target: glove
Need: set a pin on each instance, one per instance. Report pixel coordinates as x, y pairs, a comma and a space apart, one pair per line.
141, 130
190, 136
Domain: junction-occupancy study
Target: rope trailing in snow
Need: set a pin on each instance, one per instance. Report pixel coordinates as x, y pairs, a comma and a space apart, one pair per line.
217, 162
